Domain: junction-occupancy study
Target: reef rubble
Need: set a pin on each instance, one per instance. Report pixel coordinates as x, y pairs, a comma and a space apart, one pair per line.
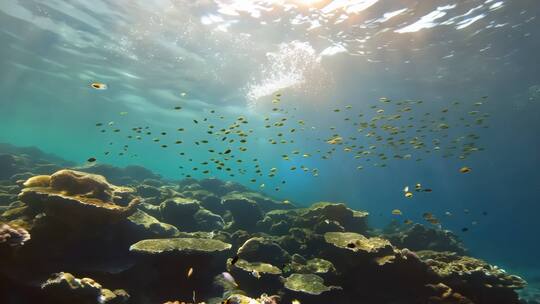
151, 240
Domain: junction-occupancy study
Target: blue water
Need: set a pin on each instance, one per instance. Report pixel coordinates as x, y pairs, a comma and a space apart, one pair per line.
233, 58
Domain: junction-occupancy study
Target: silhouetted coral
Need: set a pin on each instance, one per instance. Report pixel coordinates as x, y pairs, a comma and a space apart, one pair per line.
420, 237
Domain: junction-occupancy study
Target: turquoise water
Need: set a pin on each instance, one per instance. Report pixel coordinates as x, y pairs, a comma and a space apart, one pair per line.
234, 57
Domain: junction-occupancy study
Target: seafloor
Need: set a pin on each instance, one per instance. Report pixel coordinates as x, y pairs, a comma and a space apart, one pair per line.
102, 234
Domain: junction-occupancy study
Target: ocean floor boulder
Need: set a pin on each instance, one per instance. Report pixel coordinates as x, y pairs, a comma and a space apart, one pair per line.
207, 199
245, 212
350, 220
189, 215
320, 218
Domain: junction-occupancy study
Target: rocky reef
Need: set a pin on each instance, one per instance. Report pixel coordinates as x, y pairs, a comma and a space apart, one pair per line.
63, 229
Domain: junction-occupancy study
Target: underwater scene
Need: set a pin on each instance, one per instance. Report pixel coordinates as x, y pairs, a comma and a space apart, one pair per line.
270, 151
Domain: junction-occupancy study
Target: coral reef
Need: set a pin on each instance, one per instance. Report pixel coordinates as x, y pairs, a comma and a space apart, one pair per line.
473, 278
65, 288
208, 241
74, 196
13, 236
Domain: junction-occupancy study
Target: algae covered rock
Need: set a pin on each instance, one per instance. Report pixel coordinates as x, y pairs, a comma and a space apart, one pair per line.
351, 220
256, 277
315, 265
442, 294
357, 242
206, 220
307, 283
149, 226
320, 217
181, 245
258, 267
266, 203
177, 210
207, 199
148, 191
162, 265
153, 210
278, 222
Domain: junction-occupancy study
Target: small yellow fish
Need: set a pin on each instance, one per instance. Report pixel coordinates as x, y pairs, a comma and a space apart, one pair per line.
396, 212
465, 170
98, 86
335, 140
190, 272
295, 301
